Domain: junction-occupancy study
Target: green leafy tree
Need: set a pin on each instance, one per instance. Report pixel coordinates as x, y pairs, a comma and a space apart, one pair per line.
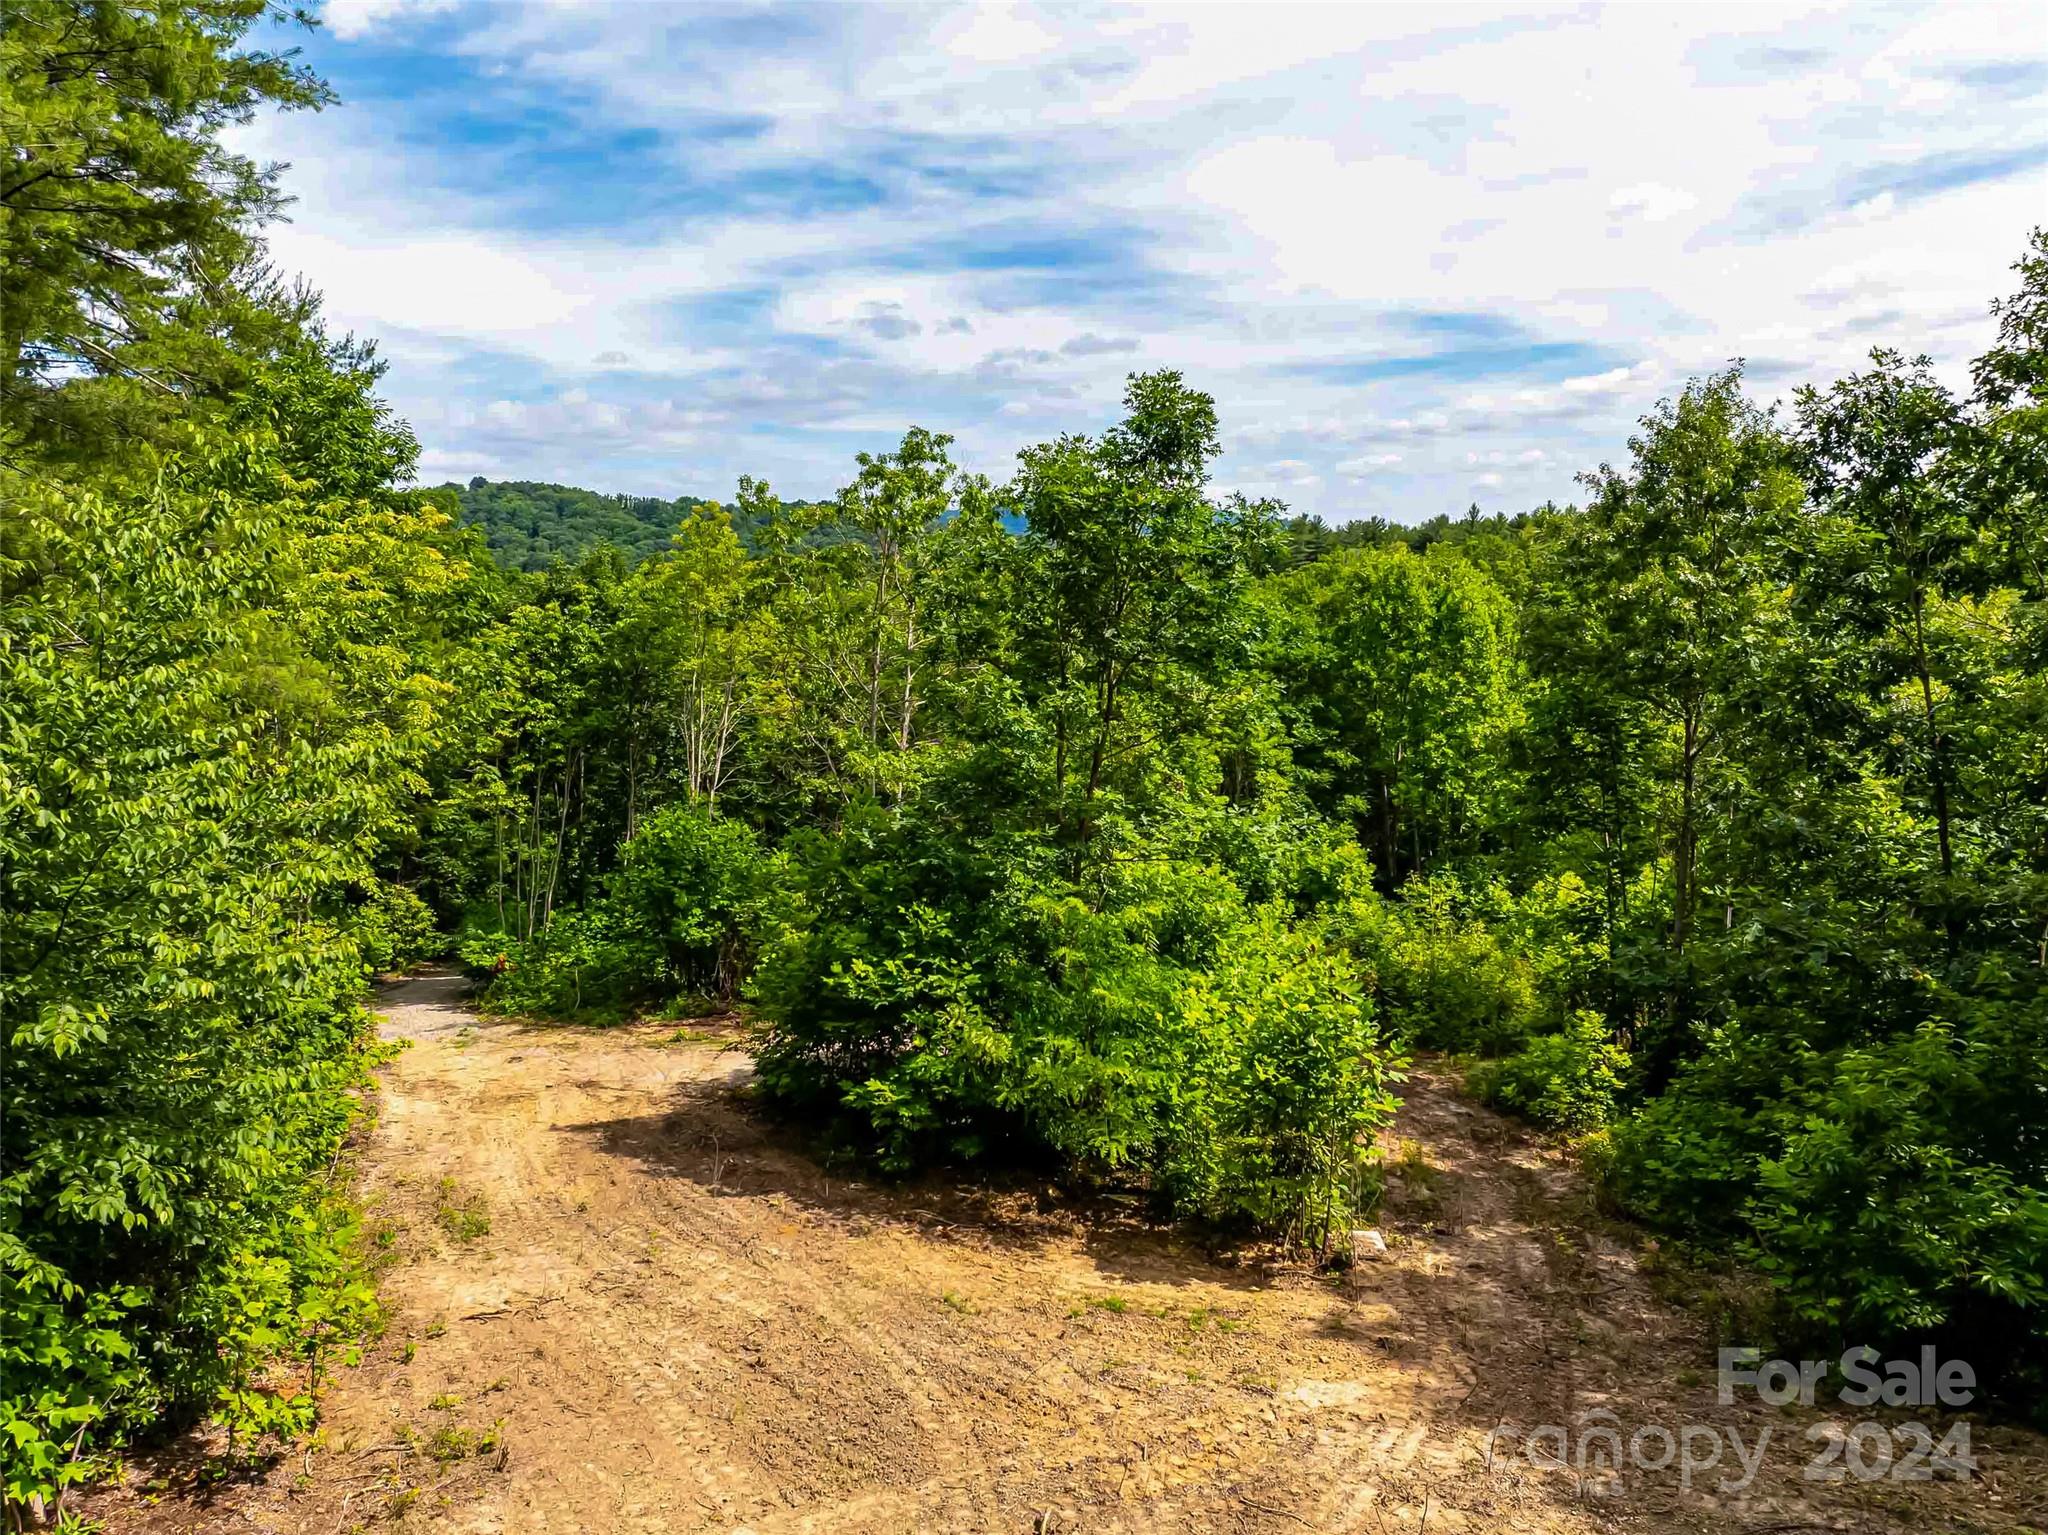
1127, 619
1678, 553
212, 722
122, 215
1402, 672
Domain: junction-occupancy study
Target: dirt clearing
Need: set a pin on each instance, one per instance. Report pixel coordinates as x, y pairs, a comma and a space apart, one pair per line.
621, 1303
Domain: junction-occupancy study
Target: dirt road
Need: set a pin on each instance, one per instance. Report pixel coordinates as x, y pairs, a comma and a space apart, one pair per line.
621, 1303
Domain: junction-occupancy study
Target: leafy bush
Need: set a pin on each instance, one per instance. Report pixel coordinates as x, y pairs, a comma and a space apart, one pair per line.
1446, 980
692, 884
1100, 1041
67, 1358
1174, 1034
871, 989
395, 929
1856, 1181
582, 962
192, 782
1463, 965
1285, 1080
673, 921
1567, 1081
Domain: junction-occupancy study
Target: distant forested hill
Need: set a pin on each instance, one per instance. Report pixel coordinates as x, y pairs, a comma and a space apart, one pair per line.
530, 525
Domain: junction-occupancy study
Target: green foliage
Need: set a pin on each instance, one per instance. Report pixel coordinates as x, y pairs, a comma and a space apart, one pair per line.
674, 919
878, 950
1934, 1230
1175, 1034
394, 929
464, 1217
1449, 981
129, 249
1566, 1081
69, 1360
218, 654
1402, 675
1019, 950
1285, 1081
692, 884
192, 783
1470, 966
530, 527
1859, 1183
583, 963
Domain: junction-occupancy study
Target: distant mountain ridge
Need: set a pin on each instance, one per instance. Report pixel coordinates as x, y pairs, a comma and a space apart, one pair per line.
530, 525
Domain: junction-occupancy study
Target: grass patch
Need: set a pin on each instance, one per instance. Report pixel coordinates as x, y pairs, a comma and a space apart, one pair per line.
693, 1037
448, 1445
1111, 1303
465, 1217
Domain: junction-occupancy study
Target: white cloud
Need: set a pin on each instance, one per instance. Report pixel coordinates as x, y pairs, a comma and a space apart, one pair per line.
1651, 201
1400, 244
353, 19
1367, 464
445, 283
997, 34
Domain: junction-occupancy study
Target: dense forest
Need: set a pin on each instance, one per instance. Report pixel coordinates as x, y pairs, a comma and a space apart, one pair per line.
1092, 821
530, 527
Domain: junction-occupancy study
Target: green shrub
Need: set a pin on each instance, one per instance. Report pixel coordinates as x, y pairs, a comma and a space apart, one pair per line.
1171, 1033
1875, 1212
691, 884
67, 1359
582, 962
194, 777
395, 929
1856, 1181
1566, 1081
1099, 1043
1285, 1080
1445, 980
674, 921
1466, 966
871, 989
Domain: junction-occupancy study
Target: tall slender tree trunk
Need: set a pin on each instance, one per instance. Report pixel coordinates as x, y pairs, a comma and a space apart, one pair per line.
1685, 852
1059, 751
1098, 756
1390, 836
1937, 753
882, 558
533, 860
633, 782
721, 741
561, 839
909, 705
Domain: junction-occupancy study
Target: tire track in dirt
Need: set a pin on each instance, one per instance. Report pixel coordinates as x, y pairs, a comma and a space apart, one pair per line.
677, 1321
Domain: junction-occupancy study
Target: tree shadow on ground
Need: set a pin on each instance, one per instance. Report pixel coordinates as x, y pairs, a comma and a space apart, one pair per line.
710, 1135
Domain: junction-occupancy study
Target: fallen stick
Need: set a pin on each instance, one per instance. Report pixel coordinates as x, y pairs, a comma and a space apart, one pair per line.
1278, 1513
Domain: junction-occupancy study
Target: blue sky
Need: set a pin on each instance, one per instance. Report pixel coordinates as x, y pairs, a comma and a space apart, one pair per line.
1422, 257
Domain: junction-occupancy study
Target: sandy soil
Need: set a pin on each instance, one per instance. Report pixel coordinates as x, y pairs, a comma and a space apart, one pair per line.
677, 1321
